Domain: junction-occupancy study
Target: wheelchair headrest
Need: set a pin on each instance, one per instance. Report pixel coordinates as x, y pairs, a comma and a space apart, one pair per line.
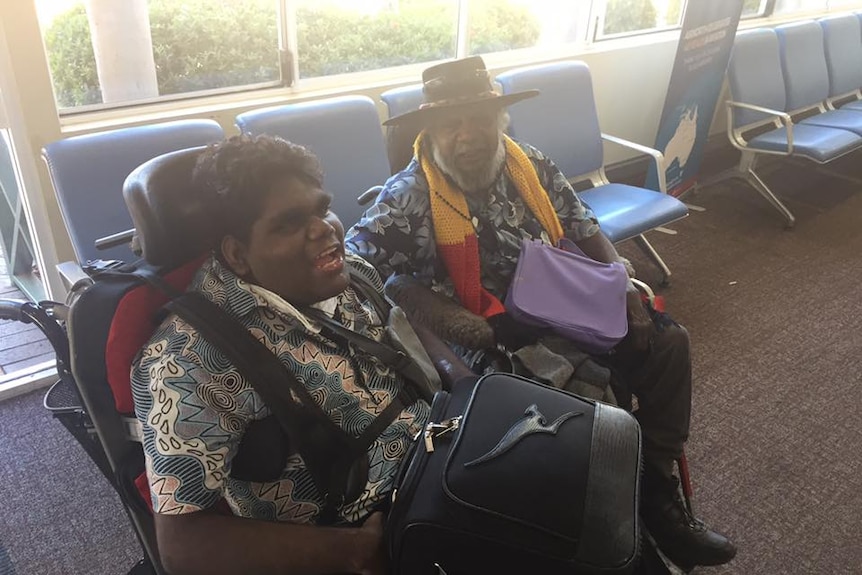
173, 224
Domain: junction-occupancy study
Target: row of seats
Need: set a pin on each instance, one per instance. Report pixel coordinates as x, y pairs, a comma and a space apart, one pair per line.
345, 132
796, 91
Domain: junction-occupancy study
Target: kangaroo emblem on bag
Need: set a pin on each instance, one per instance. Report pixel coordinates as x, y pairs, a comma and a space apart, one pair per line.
532, 422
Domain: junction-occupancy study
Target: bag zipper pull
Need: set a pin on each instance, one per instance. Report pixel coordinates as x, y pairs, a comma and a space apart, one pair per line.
429, 440
433, 430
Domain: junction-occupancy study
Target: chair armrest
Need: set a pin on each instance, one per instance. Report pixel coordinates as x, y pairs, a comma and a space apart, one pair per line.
114, 240
782, 117
368, 195
656, 155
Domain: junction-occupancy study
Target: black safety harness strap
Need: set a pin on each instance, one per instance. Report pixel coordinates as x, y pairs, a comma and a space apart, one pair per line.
328, 452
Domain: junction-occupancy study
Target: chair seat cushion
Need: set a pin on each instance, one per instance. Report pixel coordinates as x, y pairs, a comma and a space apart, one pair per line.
627, 211
841, 119
815, 142
855, 105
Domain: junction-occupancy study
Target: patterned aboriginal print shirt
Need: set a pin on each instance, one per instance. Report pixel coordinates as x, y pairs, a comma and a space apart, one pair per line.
195, 406
396, 234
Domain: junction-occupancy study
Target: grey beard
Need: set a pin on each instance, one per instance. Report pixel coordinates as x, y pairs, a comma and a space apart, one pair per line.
478, 180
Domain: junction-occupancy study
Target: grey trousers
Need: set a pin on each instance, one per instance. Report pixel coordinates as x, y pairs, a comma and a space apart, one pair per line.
660, 378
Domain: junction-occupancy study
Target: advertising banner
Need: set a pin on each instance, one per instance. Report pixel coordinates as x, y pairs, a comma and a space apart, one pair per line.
708, 30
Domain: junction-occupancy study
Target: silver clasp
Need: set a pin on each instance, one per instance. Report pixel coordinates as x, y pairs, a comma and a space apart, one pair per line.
433, 430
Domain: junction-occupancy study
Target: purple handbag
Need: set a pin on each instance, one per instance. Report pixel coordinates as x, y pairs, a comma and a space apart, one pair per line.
577, 297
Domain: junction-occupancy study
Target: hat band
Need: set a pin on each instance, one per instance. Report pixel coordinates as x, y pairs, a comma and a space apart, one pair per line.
488, 95
446, 87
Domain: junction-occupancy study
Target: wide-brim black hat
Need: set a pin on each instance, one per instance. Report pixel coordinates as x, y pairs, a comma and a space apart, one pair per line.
455, 84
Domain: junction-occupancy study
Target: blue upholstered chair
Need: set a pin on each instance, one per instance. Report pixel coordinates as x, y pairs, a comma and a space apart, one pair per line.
842, 41
88, 172
760, 117
402, 100
562, 123
343, 132
806, 77
399, 139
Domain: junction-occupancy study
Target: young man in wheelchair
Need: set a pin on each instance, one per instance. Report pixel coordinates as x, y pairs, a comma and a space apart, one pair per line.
454, 220
281, 252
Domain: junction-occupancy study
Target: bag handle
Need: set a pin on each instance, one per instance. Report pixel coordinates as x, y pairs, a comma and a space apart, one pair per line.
568, 245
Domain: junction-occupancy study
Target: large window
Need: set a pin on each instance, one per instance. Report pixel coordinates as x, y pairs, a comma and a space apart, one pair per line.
109, 52
113, 52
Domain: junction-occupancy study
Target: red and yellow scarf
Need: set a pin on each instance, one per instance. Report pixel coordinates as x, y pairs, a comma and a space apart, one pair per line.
456, 237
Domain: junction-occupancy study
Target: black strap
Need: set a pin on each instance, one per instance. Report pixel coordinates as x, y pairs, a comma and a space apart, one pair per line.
317, 439
369, 291
328, 452
394, 358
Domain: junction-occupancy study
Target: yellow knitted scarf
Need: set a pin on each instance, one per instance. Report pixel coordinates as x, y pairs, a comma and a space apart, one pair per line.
453, 227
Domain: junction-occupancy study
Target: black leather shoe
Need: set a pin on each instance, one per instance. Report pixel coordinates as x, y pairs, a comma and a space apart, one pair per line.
684, 539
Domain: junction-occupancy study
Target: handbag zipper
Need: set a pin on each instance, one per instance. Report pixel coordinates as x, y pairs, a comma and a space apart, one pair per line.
412, 467
433, 430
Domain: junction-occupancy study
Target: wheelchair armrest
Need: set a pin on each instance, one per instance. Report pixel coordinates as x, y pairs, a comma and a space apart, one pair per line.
71, 273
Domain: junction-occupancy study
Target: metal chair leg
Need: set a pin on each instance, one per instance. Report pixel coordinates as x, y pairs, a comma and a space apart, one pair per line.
647, 248
755, 182
745, 171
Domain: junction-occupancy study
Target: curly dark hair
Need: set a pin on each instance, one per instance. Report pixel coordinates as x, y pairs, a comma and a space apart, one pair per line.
238, 172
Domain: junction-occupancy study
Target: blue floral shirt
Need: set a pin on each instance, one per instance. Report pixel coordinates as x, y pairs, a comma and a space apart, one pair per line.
194, 406
396, 234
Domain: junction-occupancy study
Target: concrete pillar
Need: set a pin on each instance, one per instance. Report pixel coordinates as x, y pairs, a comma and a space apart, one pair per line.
124, 49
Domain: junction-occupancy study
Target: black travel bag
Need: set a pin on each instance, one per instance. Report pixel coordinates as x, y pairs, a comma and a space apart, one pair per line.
511, 476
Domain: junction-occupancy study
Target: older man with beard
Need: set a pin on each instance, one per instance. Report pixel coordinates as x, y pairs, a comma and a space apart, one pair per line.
454, 220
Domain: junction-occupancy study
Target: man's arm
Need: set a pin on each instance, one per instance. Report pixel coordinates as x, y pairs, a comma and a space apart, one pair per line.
599, 248
209, 543
447, 363
395, 235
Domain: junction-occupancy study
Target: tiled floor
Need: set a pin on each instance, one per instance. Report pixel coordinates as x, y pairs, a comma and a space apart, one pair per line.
22, 345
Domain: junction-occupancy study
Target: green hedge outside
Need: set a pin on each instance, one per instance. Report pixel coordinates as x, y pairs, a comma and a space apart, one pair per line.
200, 45
629, 16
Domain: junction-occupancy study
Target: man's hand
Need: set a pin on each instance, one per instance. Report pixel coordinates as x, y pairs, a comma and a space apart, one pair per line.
369, 546
640, 324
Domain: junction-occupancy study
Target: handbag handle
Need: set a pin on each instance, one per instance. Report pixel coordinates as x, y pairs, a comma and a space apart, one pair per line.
568, 245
